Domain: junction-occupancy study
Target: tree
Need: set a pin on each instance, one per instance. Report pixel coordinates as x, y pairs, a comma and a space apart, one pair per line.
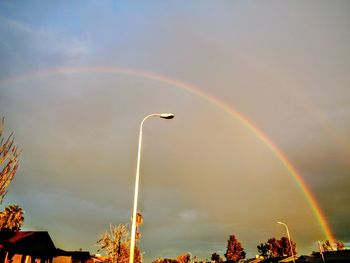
8, 161
184, 258
327, 246
11, 219
116, 245
216, 257
340, 245
263, 250
276, 248
285, 247
165, 260
234, 250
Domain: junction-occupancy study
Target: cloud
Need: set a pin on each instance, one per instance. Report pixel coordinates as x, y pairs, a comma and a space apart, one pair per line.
26, 47
191, 215
204, 175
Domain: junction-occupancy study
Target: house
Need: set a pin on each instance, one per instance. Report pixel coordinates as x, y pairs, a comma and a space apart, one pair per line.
35, 246
339, 256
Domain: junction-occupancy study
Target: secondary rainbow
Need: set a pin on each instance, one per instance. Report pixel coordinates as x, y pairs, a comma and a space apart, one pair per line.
217, 102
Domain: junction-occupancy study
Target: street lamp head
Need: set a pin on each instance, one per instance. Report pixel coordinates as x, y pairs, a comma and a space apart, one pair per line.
167, 116
280, 223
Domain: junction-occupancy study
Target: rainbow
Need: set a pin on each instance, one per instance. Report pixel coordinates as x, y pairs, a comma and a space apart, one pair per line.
212, 99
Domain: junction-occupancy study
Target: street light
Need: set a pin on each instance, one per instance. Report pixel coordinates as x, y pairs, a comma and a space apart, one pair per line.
133, 226
290, 242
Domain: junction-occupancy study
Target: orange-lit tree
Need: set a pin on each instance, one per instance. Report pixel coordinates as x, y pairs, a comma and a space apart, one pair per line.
116, 245
340, 245
139, 221
234, 250
8, 160
184, 258
286, 250
11, 219
327, 246
275, 248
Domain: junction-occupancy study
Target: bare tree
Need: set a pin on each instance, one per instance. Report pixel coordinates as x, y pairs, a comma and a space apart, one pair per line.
116, 245
327, 246
8, 160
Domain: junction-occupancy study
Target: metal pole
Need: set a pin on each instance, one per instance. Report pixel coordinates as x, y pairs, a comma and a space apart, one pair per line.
290, 242
133, 226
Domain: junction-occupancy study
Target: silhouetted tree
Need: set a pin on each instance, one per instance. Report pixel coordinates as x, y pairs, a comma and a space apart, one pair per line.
215, 257
340, 245
8, 161
234, 250
11, 219
263, 250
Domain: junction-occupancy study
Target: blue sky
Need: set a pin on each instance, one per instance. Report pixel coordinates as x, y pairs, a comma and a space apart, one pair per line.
205, 176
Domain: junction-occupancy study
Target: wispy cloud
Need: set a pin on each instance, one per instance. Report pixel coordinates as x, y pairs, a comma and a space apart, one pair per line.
49, 42
26, 47
191, 215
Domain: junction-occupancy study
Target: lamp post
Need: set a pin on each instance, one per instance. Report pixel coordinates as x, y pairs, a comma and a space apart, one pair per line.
133, 226
290, 242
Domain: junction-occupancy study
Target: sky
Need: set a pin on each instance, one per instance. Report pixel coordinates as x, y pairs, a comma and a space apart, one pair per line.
77, 78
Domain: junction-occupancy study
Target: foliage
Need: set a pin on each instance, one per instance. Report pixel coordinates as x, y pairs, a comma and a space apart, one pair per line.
139, 221
165, 260
11, 219
276, 248
216, 257
263, 250
8, 161
185, 258
326, 246
340, 245
116, 245
285, 247
234, 250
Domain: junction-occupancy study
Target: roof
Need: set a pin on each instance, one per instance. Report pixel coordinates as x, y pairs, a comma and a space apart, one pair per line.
37, 244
